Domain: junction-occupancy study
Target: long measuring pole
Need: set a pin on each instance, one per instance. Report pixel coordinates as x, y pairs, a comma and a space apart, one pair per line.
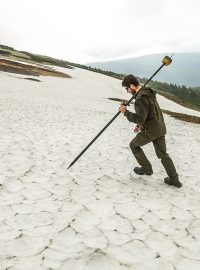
165, 62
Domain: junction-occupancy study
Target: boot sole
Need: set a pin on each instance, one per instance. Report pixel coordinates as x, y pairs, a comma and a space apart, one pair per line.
143, 173
178, 185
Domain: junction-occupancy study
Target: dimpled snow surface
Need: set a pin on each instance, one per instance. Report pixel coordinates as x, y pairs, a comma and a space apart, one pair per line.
98, 214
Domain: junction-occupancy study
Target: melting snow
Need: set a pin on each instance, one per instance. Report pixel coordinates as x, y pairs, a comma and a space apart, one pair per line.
98, 214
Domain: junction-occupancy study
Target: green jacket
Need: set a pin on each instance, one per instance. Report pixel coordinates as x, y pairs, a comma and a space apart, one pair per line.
148, 114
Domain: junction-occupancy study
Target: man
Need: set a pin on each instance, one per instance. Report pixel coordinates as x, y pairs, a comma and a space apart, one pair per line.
150, 124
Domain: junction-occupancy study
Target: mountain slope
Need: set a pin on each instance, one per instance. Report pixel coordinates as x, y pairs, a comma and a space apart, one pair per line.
187, 96
184, 70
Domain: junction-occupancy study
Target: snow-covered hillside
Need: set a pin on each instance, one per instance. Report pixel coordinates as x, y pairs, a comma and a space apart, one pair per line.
98, 214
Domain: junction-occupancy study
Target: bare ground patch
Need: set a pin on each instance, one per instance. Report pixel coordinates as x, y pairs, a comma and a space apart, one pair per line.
32, 79
180, 116
19, 68
183, 117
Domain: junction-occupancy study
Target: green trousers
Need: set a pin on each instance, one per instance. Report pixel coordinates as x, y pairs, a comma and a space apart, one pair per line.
160, 148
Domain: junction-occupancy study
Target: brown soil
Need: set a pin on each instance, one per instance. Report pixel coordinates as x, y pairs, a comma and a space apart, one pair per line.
184, 117
19, 68
180, 116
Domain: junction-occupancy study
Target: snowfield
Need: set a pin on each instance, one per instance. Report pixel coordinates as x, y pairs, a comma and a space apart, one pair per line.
98, 214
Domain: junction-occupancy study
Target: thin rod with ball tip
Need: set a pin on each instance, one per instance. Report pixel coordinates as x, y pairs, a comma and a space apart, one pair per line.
165, 62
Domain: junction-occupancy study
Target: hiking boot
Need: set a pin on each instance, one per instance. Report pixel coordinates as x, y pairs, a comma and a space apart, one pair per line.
173, 182
141, 171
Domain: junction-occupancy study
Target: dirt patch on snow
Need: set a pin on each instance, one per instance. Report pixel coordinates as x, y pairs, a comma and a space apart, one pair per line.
19, 68
183, 117
180, 116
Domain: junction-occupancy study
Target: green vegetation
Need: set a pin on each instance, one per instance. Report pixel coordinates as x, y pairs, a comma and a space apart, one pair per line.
98, 70
48, 60
186, 96
3, 52
178, 100
23, 55
6, 47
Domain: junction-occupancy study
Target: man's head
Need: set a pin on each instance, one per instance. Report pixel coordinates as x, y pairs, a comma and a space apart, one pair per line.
131, 83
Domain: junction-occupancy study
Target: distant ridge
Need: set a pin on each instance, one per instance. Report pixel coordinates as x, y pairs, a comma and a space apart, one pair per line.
184, 70
186, 96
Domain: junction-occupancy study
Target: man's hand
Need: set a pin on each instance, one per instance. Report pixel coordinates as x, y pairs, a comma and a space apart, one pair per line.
122, 107
136, 129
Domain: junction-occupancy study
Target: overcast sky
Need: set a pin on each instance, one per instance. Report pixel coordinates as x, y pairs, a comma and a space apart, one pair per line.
84, 31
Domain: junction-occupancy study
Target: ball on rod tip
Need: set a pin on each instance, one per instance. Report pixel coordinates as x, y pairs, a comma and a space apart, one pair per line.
167, 60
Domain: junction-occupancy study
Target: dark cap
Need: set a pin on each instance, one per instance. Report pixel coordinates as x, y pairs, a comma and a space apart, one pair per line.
130, 79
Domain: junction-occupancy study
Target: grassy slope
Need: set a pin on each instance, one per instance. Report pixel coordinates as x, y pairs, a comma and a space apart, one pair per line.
179, 100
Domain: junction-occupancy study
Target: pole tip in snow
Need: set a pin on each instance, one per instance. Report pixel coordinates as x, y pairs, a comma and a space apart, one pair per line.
69, 167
